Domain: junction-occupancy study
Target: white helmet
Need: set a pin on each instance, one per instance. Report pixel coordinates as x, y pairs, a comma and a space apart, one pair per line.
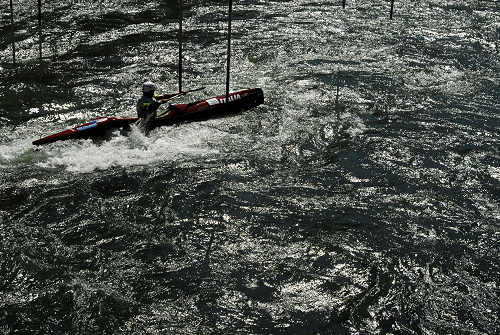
148, 86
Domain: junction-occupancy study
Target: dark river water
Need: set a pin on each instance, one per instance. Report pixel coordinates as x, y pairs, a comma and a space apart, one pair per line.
376, 216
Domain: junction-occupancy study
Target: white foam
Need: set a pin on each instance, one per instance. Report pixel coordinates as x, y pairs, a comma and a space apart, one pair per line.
7, 153
164, 144
15, 151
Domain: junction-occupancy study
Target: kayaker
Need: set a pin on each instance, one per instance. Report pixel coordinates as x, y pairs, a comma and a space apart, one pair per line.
148, 104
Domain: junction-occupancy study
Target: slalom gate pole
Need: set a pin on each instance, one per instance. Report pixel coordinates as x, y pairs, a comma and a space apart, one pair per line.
40, 30
337, 84
180, 7
337, 96
392, 8
12, 33
209, 249
229, 47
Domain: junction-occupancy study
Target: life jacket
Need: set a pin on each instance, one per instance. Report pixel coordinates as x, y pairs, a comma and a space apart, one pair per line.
146, 105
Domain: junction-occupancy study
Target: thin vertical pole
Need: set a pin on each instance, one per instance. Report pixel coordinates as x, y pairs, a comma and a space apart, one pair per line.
40, 30
343, 4
337, 84
337, 106
12, 31
392, 8
209, 250
229, 47
180, 44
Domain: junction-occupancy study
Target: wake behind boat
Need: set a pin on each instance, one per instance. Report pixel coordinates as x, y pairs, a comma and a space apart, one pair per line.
199, 110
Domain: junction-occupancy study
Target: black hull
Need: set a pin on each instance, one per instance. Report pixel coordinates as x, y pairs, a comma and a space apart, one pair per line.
247, 102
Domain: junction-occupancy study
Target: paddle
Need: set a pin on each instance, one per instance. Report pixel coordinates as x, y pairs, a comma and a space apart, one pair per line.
186, 92
178, 95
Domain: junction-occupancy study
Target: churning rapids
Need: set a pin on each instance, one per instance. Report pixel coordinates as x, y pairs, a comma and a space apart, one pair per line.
378, 216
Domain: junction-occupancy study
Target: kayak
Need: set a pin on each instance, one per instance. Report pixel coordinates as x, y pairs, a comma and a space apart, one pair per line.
199, 110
